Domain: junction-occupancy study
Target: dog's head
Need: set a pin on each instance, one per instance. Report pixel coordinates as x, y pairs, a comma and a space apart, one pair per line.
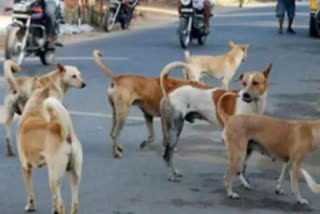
255, 84
71, 76
242, 48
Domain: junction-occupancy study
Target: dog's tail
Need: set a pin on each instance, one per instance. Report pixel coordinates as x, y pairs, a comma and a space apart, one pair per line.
315, 188
223, 101
97, 58
9, 68
187, 56
56, 111
167, 69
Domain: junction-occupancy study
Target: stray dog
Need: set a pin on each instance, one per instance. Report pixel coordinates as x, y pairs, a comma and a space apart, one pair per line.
190, 103
288, 140
127, 90
46, 137
20, 89
221, 67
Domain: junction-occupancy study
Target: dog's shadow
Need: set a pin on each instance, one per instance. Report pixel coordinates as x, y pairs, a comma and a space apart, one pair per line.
261, 197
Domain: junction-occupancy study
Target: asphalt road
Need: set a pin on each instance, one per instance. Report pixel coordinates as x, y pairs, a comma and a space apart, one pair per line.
137, 184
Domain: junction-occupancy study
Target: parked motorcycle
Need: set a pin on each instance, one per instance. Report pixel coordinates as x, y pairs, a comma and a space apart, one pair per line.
314, 24
191, 24
119, 11
26, 34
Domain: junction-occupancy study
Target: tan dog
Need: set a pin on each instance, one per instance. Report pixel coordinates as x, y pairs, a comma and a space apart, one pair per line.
128, 90
188, 103
288, 140
46, 137
20, 89
221, 67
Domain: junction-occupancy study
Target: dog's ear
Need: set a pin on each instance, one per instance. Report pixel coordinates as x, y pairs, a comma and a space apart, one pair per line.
231, 44
267, 71
239, 78
245, 47
61, 67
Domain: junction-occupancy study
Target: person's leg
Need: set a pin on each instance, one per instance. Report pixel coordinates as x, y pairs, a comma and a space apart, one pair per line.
50, 12
291, 9
206, 15
280, 9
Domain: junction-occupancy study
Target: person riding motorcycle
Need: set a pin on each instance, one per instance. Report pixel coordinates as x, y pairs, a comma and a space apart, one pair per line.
205, 6
52, 11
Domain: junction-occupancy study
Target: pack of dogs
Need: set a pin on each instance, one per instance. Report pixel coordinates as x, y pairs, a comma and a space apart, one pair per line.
46, 137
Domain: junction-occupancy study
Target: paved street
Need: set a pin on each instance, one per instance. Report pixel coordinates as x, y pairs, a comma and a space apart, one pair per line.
137, 184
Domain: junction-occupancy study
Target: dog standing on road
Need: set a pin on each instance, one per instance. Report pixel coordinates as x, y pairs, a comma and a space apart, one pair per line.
221, 67
46, 137
127, 90
20, 89
288, 140
191, 102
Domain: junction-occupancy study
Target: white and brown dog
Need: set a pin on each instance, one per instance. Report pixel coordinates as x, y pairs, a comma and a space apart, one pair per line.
221, 67
125, 91
288, 140
20, 89
191, 102
46, 137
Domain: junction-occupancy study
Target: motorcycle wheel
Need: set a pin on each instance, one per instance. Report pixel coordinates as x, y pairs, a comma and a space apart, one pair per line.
202, 39
109, 21
47, 57
184, 36
13, 46
314, 25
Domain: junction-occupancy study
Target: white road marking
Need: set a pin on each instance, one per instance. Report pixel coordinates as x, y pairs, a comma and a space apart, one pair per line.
90, 58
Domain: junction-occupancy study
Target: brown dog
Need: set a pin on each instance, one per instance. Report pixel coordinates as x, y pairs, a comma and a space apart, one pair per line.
20, 89
288, 140
128, 90
46, 137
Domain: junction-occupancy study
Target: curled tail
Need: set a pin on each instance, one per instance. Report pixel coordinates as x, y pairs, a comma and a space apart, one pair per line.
56, 110
222, 103
167, 69
314, 187
187, 56
9, 68
97, 58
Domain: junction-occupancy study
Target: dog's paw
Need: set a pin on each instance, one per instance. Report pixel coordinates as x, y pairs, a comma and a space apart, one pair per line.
279, 190
178, 173
145, 143
244, 182
119, 148
30, 208
11, 153
303, 201
233, 195
117, 154
174, 178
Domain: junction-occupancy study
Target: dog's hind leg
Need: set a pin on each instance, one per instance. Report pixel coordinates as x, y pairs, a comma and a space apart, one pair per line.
294, 175
27, 174
242, 170
164, 132
8, 121
175, 128
149, 122
75, 178
121, 112
279, 190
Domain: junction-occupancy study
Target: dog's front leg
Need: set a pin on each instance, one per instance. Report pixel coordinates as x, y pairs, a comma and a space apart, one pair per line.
279, 189
294, 175
242, 170
27, 173
149, 122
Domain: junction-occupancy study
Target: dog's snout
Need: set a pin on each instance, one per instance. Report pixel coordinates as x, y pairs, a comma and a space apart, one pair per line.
83, 85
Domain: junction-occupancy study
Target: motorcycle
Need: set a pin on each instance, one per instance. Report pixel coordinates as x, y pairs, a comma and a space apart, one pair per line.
119, 11
314, 24
191, 23
26, 34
